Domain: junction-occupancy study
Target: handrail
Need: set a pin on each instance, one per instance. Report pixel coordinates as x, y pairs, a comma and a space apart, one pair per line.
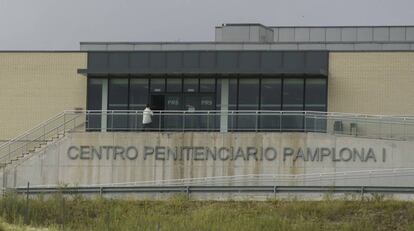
259, 178
34, 128
35, 137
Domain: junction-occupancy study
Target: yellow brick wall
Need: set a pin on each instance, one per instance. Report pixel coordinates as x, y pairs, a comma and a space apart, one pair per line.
35, 86
371, 82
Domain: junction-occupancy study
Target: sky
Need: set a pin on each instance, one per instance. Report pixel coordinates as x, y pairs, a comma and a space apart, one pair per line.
62, 24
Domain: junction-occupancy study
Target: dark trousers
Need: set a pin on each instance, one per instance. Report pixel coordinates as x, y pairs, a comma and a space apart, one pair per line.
146, 127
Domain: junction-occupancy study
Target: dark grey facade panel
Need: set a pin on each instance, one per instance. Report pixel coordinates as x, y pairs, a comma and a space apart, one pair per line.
249, 61
227, 61
138, 60
157, 60
118, 61
98, 61
271, 61
294, 60
174, 61
207, 62
315, 60
191, 60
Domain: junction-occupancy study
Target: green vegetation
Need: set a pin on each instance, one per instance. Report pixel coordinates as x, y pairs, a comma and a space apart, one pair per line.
80, 213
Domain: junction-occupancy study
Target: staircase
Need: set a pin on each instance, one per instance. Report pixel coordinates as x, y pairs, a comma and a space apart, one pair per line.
40, 136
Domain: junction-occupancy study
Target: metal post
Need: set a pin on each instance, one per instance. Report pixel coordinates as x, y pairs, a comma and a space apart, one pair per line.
183, 125
256, 121
112, 121
159, 121
26, 215
305, 118
280, 121
136, 120
362, 191
232, 120
208, 120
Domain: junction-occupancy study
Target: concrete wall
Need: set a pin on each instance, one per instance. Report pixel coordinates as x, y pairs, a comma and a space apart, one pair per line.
58, 164
35, 86
371, 82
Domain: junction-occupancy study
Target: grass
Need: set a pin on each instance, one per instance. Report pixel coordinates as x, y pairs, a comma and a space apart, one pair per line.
178, 213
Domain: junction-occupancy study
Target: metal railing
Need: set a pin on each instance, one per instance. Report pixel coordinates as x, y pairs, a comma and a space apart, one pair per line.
368, 177
40, 135
369, 126
361, 125
189, 189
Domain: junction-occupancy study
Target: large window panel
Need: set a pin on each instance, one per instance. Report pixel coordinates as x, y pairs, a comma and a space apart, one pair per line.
138, 98
315, 95
118, 100
94, 102
232, 94
315, 100
207, 104
248, 100
292, 101
271, 100
207, 85
191, 85
174, 85
157, 85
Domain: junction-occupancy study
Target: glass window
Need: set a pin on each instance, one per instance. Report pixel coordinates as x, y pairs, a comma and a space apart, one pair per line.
138, 96
174, 85
271, 97
118, 94
293, 94
157, 85
207, 102
94, 102
248, 100
95, 94
315, 100
232, 94
207, 85
271, 94
190, 85
292, 101
248, 94
118, 100
218, 95
315, 95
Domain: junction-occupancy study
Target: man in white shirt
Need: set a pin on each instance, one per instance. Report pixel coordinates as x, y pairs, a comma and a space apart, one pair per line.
146, 117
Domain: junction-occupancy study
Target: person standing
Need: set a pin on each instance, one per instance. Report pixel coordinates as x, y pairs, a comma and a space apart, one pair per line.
146, 117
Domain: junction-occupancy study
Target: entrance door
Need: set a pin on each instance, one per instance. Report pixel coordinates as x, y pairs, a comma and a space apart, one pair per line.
157, 104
